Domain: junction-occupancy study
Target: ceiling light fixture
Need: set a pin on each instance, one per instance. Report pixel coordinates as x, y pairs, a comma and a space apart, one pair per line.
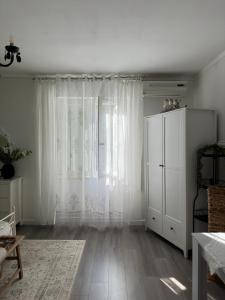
10, 52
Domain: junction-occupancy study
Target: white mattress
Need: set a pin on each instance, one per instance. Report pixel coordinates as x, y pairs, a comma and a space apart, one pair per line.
5, 228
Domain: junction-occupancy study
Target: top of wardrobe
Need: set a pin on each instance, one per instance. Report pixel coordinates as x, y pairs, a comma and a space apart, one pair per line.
181, 109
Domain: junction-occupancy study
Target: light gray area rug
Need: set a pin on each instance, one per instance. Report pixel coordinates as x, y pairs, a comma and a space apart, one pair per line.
49, 268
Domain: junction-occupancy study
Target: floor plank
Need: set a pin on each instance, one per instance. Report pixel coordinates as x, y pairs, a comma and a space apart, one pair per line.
125, 264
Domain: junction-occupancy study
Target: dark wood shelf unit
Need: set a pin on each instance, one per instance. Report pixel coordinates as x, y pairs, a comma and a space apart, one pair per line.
214, 152
201, 215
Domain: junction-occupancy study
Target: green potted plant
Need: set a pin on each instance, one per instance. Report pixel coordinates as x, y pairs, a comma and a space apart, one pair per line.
8, 155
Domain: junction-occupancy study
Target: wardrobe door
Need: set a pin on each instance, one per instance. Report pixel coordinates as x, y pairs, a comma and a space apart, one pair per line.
155, 155
174, 191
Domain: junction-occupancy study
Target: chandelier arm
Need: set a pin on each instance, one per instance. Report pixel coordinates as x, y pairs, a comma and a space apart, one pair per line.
8, 64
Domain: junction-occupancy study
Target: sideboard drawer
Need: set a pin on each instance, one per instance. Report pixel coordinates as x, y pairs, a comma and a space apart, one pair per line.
4, 204
4, 190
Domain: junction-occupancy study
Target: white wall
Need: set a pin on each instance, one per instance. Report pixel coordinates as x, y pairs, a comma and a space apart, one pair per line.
209, 91
17, 119
154, 105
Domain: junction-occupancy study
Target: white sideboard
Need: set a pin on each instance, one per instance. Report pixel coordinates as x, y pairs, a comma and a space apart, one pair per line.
10, 197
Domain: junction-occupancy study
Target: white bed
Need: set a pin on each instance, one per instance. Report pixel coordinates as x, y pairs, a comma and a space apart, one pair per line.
8, 224
7, 227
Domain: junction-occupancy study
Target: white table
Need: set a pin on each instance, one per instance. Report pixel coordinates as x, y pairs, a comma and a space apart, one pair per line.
199, 264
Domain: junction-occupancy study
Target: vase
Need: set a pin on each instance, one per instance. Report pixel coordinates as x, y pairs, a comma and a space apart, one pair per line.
7, 171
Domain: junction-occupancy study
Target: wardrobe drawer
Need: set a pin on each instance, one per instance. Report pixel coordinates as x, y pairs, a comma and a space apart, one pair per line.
4, 190
155, 220
173, 231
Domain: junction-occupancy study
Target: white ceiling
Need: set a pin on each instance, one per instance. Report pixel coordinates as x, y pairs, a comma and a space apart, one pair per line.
147, 36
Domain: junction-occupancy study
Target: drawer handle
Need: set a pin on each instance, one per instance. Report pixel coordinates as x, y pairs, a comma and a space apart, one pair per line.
162, 166
171, 228
153, 218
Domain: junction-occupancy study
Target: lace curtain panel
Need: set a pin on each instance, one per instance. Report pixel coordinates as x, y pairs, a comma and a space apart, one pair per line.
89, 151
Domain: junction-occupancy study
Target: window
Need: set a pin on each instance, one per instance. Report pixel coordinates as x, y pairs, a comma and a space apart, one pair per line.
77, 136
91, 135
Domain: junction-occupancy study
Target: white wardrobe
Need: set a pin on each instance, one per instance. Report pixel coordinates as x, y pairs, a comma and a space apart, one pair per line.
171, 142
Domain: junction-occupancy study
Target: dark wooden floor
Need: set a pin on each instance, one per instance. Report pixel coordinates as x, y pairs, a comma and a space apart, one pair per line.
126, 263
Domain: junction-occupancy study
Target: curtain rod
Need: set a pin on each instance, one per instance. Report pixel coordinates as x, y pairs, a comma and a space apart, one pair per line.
143, 77
88, 76
72, 76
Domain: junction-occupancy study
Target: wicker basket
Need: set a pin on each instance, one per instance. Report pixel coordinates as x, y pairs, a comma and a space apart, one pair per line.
216, 216
216, 209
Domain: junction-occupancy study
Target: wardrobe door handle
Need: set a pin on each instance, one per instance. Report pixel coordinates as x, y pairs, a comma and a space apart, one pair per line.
171, 228
162, 166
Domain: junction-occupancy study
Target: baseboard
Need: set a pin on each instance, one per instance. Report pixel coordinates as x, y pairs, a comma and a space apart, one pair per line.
34, 222
137, 223
28, 222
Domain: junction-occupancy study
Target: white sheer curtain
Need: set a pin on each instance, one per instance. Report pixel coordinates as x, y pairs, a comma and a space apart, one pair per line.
90, 151
46, 150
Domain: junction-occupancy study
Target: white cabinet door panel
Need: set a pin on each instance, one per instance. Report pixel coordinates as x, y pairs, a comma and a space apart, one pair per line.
155, 156
4, 190
173, 161
173, 139
173, 193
